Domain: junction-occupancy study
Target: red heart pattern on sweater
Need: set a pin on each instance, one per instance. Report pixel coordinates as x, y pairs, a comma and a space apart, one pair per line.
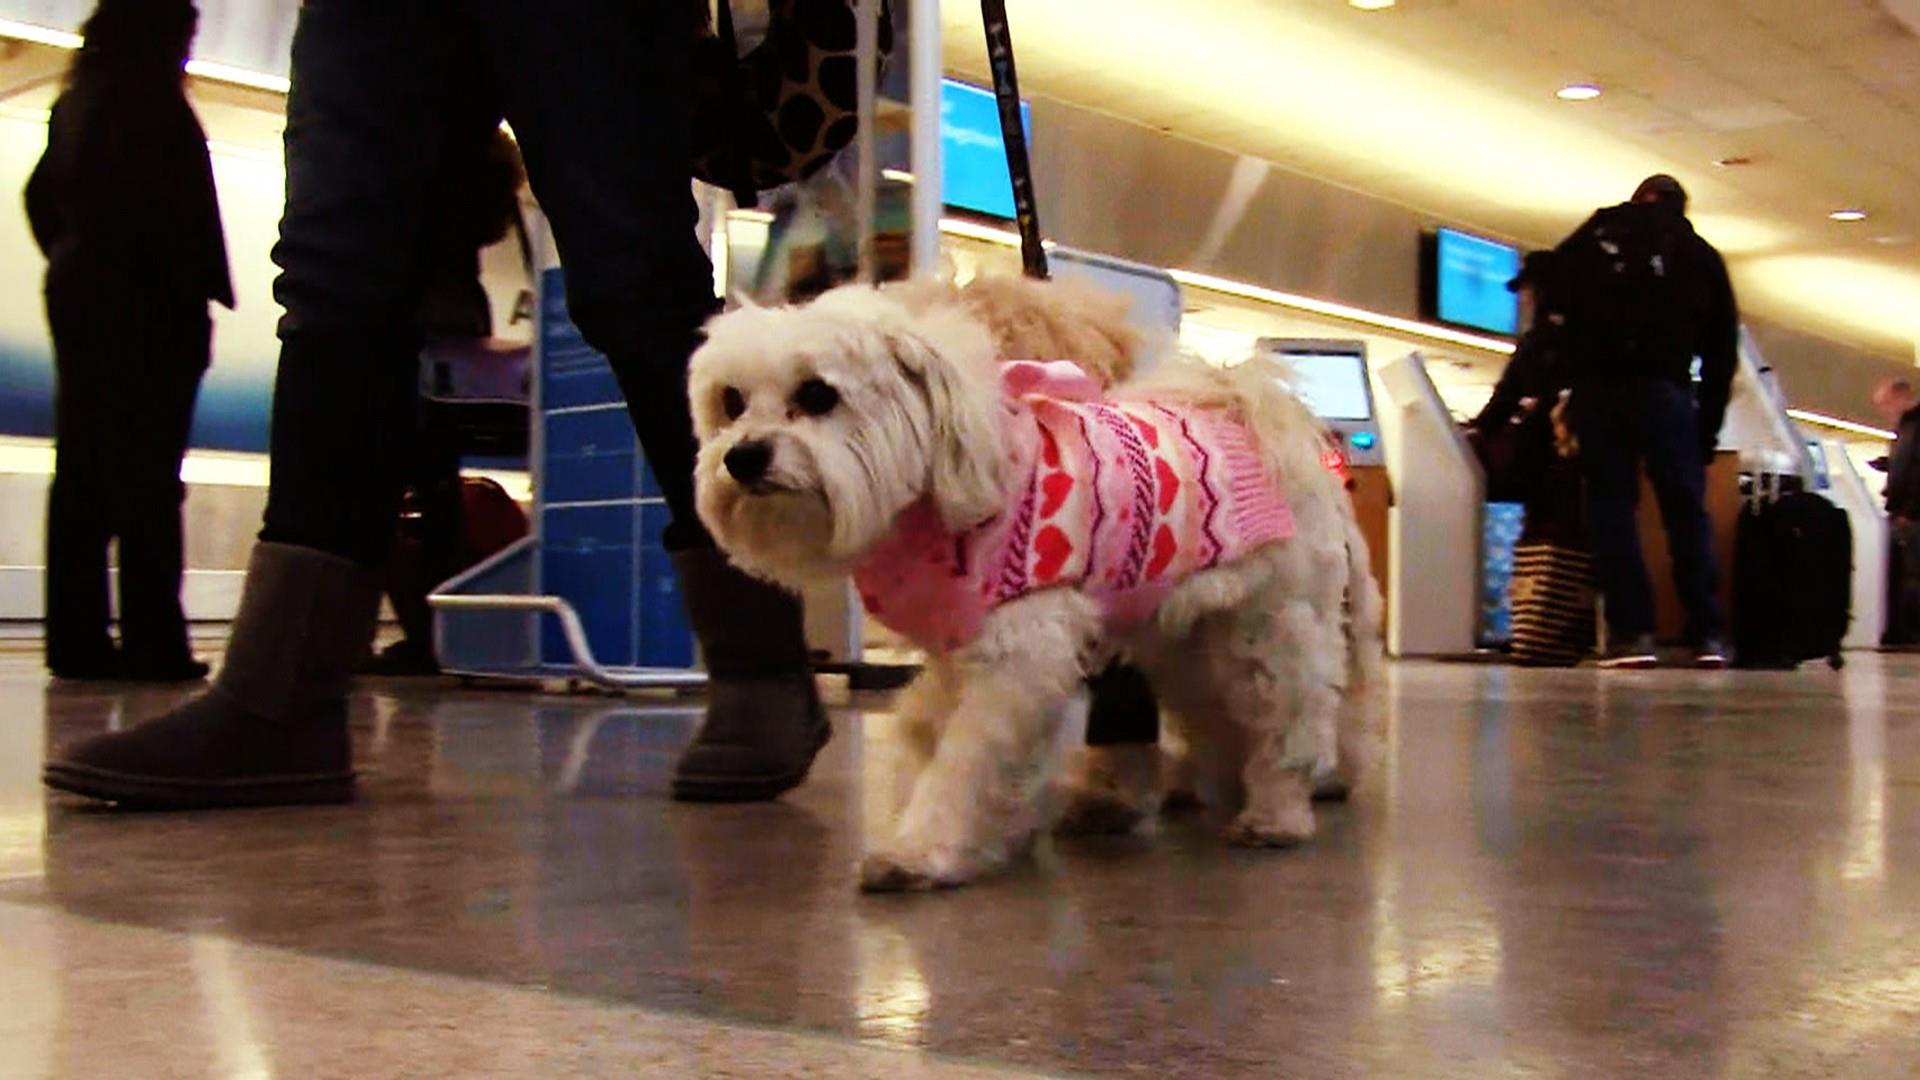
1169, 483
1053, 493
1164, 548
1053, 548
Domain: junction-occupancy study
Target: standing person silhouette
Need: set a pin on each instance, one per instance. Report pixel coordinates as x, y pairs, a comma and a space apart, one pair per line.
123, 205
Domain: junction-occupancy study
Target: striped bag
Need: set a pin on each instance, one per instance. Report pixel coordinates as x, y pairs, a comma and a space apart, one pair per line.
1553, 604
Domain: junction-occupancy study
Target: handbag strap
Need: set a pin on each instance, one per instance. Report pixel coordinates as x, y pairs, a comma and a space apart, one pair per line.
1006, 92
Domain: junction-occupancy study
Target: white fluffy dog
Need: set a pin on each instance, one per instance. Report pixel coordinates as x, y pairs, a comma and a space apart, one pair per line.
866, 435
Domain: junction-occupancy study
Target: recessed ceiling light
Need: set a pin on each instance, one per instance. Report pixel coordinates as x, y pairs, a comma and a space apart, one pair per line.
1579, 91
1848, 215
1372, 5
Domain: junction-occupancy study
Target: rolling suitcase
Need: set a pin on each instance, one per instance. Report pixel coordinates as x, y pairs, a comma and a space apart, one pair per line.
1793, 577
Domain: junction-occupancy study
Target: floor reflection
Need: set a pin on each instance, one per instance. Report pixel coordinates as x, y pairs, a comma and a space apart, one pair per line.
1554, 873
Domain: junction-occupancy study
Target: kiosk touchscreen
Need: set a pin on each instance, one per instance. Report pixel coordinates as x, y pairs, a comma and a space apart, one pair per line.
1331, 377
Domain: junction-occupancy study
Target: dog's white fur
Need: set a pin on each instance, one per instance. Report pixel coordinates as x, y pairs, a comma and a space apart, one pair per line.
1265, 664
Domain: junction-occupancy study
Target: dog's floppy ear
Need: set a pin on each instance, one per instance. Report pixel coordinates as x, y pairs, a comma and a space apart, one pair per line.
950, 357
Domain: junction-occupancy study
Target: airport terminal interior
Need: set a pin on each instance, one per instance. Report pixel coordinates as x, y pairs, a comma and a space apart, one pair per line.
1561, 863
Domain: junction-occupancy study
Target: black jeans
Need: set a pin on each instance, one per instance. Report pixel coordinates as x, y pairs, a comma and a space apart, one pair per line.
596, 92
128, 367
1622, 425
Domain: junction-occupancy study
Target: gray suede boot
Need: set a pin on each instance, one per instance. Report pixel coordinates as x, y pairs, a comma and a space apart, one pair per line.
764, 719
272, 730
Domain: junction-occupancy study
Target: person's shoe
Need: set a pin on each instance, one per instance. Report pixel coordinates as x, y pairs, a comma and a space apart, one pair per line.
272, 730
211, 753
108, 666
1636, 654
1710, 655
764, 720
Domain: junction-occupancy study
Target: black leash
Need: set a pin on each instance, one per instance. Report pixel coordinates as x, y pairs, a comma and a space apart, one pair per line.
1006, 92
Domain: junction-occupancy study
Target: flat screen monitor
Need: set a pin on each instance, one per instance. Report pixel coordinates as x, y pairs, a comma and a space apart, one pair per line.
1469, 282
1333, 384
973, 170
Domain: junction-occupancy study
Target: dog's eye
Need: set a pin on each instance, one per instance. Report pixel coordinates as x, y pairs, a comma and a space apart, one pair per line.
816, 398
733, 403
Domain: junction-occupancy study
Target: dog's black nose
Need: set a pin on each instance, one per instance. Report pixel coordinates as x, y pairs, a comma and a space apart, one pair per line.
748, 462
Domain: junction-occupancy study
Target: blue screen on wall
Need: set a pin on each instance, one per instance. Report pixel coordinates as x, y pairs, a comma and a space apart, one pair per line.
974, 158
1470, 282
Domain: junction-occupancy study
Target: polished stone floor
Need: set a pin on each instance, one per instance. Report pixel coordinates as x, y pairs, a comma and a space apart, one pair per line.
1558, 874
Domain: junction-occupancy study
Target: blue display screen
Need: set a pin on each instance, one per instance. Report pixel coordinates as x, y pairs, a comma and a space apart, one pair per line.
1470, 282
974, 158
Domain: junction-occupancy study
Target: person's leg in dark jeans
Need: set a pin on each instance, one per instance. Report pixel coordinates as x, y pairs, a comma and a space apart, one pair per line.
1610, 454
79, 528
1676, 466
605, 135
153, 625
363, 123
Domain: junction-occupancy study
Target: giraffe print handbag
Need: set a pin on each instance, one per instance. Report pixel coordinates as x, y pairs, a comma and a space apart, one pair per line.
780, 113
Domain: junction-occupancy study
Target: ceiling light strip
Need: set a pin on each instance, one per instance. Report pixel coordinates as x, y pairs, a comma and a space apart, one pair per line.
986, 233
1343, 312
39, 35
200, 69
1834, 422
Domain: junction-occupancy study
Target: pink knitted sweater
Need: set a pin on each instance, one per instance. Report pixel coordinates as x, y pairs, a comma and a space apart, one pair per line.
1121, 499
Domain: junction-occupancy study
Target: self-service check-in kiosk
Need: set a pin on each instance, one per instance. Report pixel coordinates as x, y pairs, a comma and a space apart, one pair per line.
1332, 378
1838, 480
1435, 529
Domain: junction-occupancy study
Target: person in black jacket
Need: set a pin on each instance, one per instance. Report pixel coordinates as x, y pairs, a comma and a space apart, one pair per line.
1647, 297
123, 205
1896, 400
1513, 432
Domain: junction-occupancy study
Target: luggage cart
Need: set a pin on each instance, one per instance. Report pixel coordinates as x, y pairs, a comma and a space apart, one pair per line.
590, 594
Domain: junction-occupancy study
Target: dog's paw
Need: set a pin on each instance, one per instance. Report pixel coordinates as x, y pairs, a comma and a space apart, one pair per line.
889, 872
1264, 832
882, 874
1099, 813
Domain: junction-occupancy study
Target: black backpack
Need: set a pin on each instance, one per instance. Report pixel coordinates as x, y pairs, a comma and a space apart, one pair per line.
1627, 292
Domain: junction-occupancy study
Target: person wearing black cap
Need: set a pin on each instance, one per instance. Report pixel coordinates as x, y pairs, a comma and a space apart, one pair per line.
1528, 377
1647, 298
123, 205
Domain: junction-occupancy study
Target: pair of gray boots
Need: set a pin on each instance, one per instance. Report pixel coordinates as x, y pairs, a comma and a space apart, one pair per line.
272, 730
